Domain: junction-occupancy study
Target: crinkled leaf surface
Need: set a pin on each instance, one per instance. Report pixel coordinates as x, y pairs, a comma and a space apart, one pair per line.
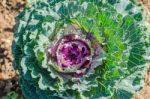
117, 25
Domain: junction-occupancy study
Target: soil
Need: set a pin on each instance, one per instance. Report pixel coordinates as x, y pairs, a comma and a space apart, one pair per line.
8, 76
9, 9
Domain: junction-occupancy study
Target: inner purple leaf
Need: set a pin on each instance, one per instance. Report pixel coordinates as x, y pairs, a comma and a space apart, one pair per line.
72, 53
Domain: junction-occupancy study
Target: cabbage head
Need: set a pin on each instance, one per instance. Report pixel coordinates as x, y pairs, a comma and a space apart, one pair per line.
81, 49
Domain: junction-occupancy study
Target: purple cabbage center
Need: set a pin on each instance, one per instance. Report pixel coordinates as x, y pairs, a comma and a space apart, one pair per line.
72, 53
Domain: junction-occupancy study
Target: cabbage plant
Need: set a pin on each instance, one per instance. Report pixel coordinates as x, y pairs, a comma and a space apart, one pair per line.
81, 49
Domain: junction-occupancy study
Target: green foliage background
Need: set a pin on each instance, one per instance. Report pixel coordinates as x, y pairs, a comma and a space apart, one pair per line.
120, 30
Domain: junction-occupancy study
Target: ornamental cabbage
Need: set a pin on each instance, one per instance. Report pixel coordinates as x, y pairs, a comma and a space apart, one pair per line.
81, 49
